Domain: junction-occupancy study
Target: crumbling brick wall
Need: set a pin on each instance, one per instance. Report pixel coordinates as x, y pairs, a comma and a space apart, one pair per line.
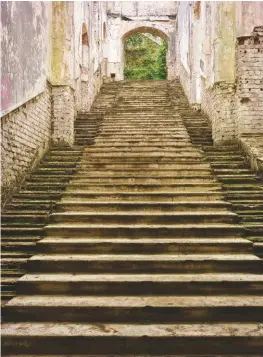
26, 134
185, 80
250, 83
63, 115
219, 104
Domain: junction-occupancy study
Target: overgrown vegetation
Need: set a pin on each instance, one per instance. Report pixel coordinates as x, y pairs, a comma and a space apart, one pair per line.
145, 57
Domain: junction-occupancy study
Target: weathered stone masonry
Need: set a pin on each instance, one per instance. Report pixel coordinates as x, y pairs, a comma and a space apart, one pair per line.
220, 65
63, 114
250, 83
26, 134
52, 51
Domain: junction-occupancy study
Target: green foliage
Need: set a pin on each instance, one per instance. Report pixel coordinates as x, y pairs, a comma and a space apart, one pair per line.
144, 58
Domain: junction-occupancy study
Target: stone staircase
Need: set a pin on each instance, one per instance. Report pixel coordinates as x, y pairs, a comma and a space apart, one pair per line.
142, 256
243, 188
87, 125
25, 216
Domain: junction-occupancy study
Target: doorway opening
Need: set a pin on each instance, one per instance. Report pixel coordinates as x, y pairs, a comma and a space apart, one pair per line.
145, 57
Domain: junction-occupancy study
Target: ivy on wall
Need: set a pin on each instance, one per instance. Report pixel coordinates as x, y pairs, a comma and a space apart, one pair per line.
145, 57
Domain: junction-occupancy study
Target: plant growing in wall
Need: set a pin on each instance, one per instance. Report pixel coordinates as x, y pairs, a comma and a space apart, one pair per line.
145, 58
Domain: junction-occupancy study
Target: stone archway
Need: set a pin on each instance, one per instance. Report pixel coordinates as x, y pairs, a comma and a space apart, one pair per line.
152, 30
121, 30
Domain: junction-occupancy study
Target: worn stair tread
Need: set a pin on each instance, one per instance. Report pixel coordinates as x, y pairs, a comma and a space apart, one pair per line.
139, 214
203, 204
144, 257
179, 226
137, 301
228, 240
205, 277
132, 330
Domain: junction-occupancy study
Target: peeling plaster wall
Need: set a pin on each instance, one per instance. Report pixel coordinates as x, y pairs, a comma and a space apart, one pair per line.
25, 93
25, 46
208, 59
126, 18
45, 79
89, 71
249, 14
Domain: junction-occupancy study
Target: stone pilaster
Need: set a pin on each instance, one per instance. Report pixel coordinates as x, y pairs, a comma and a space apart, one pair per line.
63, 115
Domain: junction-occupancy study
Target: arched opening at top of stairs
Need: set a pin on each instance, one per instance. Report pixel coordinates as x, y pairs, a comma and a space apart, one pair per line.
145, 53
146, 29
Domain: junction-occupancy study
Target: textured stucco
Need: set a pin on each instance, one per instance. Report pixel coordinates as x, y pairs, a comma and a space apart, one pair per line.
25, 46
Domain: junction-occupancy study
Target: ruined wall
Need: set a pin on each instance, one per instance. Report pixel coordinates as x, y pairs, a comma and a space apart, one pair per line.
26, 133
213, 70
25, 92
250, 83
183, 48
249, 14
25, 46
90, 58
46, 78
127, 18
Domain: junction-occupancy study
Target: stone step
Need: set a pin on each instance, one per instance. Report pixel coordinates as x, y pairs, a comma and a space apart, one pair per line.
39, 195
141, 284
213, 150
18, 247
27, 204
35, 218
145, 218
142, 146
55, 171
226, 165
62, 165
17, 239
162, 207
129, 124
239, 196
144, 173
143, 188
140, 149
124, 160
184, 196
154, 165
49, 186
141, 131
62, 158
140, 142
23, 230
143, 264
134, 338
140, 156
250, 212
144, 231
80, 182
243, 187
127, 137
62, 179
56, 245
234, 178
134, 309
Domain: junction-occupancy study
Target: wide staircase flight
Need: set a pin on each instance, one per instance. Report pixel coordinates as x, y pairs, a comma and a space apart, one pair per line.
142, 256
